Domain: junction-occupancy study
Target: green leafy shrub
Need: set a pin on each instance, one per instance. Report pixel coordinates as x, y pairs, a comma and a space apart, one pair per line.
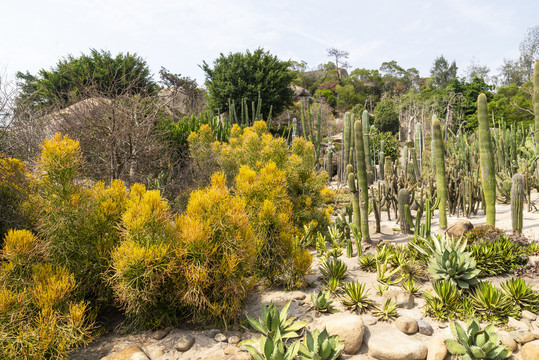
476, 343
497, 256
391, 145
386, 117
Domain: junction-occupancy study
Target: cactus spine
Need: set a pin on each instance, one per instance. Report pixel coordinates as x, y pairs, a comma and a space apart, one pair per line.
517, 202
361, 170
486, 159
441, 187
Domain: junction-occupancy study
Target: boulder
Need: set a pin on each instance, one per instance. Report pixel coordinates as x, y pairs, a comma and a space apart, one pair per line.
530, 351
388, 343
160, 334
349, 328
507, 340
528, 315
459, 228
518, 324
436, 349
522, 336
407, 325
401, 297
130, 353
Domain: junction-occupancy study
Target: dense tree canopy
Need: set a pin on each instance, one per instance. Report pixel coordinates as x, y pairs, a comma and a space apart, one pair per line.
246, 75
74, 77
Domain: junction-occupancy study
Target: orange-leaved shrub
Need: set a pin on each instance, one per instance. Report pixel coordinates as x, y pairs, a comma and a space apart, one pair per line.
39, 317
218, 247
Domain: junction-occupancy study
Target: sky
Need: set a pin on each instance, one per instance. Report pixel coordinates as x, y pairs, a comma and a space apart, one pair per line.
180, 34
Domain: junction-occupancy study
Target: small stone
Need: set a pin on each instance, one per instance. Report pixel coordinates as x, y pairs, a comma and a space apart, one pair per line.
400, 297
522, 336
184, 343
299, 296
211, 333
528, 315
436, 349
129, 353
234, 339
425, 328
530, 351
407, 325
507, 340
160, 334
220, 337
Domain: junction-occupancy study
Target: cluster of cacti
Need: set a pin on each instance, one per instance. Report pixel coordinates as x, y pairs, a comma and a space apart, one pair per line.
245, 119
309, 130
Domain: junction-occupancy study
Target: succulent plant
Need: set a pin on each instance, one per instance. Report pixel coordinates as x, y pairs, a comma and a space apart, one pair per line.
491, 303
476, 343
367, 262
276, 325
443, 302
333, 269
356, 297
455, 264
322, 302
410, 286
320, 346
387, 312
521, 294
273, 349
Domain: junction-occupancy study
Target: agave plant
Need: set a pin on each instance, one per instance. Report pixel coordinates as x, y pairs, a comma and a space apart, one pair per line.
491, 303
276, 325
443, 303
333, 285
387, 312
356, 297
387, 275
476, 343
454, 264
333, 268
273, 349
367, 262
322, 302
410, 286
381, 288
521, 294
320, 346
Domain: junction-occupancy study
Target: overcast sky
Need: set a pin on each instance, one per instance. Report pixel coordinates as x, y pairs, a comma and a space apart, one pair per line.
180, 34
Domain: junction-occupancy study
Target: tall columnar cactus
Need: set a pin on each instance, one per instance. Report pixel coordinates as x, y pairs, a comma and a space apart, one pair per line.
419, 146
319, 133
517, 202
441, 187
294, 128
346, 149
486, 158
366, 128
403, 204
361, 170
355, 205
536, 107
382, 159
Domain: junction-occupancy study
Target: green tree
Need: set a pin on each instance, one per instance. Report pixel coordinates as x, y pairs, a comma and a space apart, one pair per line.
442, 72
386, 117
74, 77
240, 75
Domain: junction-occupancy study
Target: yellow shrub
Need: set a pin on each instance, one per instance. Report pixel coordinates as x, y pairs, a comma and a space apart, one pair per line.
218, 246
60, 159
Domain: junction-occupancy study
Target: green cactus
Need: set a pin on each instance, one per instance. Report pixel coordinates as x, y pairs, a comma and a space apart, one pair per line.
346, 149
361, 169
486, 156
294, 128
320, 346
382, 159
441, 187
403, 202
356, 225
367, 152
476, 343
517, 202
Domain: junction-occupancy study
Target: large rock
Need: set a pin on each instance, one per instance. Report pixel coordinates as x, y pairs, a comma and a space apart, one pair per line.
530, 351
459, 228
401, 297
522, 336
507, 340
407, 325
130, 353
388, 343
436, 349
349, 328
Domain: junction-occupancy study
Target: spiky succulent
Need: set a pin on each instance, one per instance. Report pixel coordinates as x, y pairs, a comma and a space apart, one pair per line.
454, 264
273, 349
322, 302
521, 294
320, 346
476, 343
387, 312
356, 297
367, 262
276, 325
333, 268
